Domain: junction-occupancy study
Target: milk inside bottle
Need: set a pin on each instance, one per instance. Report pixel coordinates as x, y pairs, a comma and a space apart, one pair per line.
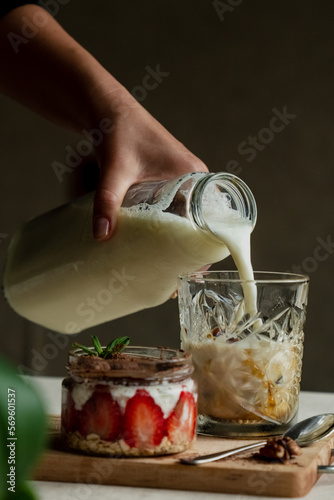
59, 276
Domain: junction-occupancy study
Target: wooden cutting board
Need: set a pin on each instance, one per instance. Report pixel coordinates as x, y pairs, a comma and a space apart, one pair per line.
242, 474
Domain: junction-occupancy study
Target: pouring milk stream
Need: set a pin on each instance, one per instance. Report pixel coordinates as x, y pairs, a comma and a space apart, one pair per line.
58, 276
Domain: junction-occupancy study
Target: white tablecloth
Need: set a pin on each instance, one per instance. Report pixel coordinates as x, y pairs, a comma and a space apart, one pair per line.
311, 403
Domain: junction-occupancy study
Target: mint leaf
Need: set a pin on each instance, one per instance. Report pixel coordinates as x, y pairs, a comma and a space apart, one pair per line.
87, 350
115, 346
97, 344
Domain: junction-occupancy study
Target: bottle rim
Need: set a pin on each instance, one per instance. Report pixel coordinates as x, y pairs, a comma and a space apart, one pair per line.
241, 196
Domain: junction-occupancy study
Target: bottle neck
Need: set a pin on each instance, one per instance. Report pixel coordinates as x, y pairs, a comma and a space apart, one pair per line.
221, 198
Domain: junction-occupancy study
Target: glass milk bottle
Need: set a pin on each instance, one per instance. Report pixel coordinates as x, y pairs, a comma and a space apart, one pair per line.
59, 276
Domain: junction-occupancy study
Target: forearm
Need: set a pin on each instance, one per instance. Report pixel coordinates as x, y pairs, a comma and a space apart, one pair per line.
54, 75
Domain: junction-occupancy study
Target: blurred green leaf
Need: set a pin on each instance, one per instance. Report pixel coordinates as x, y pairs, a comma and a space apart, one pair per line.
30, 429
22, 492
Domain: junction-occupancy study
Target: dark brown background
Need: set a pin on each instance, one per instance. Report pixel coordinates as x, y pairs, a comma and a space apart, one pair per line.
225, 78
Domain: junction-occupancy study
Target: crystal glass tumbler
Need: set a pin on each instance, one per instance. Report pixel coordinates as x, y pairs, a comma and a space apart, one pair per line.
247, 365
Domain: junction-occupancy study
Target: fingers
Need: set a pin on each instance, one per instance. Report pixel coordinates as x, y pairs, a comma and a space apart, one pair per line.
140, 149
107, 202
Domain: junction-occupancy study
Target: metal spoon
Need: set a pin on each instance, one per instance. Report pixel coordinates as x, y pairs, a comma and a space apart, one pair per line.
304, 433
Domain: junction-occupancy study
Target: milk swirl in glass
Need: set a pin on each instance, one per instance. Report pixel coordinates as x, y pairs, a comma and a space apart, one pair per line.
58, 276
247, 366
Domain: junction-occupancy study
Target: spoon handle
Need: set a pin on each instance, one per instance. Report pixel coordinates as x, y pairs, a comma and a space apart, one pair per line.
329, 469
203, 459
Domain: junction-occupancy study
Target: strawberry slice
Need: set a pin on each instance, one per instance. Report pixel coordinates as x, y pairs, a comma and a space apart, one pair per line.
181, 423
69, 417
144, 423
101, 415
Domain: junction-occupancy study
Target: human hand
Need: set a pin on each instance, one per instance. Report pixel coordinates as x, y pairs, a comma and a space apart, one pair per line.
57, 78
138, 149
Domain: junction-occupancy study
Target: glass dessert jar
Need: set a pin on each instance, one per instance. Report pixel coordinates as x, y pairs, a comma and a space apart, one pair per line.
140, 402
59, 276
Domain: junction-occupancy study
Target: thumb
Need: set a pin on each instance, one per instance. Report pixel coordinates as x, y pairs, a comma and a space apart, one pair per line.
107, 202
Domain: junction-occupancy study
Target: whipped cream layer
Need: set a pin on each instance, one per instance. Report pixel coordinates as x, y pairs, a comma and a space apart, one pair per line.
165, 395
